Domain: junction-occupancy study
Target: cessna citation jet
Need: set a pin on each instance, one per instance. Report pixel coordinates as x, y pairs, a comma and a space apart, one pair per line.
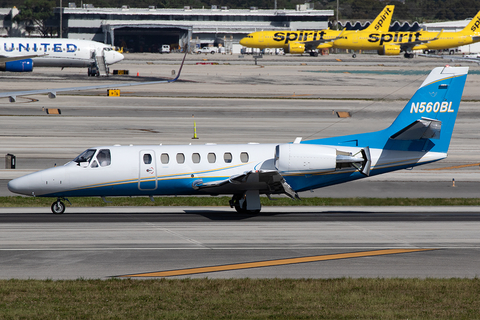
307, 40
420, 134
22, 54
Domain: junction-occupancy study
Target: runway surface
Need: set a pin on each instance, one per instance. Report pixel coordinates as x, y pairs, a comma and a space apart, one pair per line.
236, 101
296, 242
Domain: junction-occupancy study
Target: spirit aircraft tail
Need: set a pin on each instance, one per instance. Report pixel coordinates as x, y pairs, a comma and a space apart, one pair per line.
382, 21
473, 27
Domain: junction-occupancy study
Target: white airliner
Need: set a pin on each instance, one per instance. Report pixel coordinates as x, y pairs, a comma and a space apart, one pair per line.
23, 54
420, 134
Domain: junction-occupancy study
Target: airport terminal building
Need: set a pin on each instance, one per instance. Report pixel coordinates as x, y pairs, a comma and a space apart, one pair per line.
146, 29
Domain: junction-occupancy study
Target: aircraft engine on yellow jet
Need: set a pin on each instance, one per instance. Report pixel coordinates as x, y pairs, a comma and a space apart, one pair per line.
296, 48
389, 50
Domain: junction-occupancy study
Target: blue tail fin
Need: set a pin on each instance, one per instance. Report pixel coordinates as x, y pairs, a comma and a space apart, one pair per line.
425, 123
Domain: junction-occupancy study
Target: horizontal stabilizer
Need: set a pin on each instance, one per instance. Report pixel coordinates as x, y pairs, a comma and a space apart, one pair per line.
421, 129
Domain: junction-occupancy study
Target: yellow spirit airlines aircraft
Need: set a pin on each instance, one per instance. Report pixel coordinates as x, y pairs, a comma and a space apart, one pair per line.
309, 40
393, 43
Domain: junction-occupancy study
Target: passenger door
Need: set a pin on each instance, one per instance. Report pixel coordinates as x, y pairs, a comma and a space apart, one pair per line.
147, 176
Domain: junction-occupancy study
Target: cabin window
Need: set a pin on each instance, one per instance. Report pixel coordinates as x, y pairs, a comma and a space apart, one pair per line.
196, 158
104, 158
212, 157
180, 158
227, 157
164, 158
147, 158
244, 157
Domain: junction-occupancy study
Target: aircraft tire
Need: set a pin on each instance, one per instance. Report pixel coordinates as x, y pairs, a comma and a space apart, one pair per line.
354, 55
58, 207
242, 210
245, 211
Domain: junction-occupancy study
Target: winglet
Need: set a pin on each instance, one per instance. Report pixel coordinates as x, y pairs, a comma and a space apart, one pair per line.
179, 70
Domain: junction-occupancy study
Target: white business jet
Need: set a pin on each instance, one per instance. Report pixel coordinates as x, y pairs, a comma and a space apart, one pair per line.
23, 54
420, 134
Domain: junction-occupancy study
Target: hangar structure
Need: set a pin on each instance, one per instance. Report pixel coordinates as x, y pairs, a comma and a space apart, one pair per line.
147, 29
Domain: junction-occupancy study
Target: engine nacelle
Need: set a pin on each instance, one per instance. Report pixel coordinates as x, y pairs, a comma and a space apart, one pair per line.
304, 158
389, 50
25, 65
295, 48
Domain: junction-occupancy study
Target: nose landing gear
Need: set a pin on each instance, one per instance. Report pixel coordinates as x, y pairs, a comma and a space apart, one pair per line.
58, 207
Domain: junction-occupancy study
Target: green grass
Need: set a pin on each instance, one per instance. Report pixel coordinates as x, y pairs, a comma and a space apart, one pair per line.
344, 298
223, 201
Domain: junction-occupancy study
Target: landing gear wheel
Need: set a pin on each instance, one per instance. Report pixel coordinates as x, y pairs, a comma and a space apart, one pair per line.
242, 210
58, 207
240, 205
409, 55
354, 55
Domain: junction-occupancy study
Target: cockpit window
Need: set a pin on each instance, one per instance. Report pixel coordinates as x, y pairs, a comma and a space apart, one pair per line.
85, 156
104, 158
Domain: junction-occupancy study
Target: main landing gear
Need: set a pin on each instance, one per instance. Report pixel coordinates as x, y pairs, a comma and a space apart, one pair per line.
409, 55
247, 203
58, 207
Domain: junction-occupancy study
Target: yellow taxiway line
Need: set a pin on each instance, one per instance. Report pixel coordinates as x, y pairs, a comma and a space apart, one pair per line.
271, 263
455, 167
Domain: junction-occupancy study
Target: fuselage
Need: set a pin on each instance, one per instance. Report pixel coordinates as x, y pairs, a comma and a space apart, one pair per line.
55, 52
180, 169
283, 39
361, 40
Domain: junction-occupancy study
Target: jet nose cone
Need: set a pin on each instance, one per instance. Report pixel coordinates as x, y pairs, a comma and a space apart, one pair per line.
19, 186
118, 56
243, 41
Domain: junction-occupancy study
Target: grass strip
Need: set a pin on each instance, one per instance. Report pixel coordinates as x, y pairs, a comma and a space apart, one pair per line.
19, 201
344, 298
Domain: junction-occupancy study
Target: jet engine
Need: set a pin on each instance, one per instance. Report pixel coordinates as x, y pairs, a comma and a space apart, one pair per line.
389, 50
296, 158
25, 65
295, 48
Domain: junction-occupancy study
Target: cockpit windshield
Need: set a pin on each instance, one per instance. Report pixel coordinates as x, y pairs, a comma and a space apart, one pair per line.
85, 156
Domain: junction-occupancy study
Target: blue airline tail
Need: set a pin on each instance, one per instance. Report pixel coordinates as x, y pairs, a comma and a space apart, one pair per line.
425, 123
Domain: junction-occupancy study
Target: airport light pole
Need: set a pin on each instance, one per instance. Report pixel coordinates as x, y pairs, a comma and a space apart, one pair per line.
61, 19
337, 12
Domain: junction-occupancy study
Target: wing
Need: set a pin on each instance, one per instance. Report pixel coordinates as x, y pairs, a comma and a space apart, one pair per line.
408, 46
4, 58
52, 93
266, 181
312, 45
